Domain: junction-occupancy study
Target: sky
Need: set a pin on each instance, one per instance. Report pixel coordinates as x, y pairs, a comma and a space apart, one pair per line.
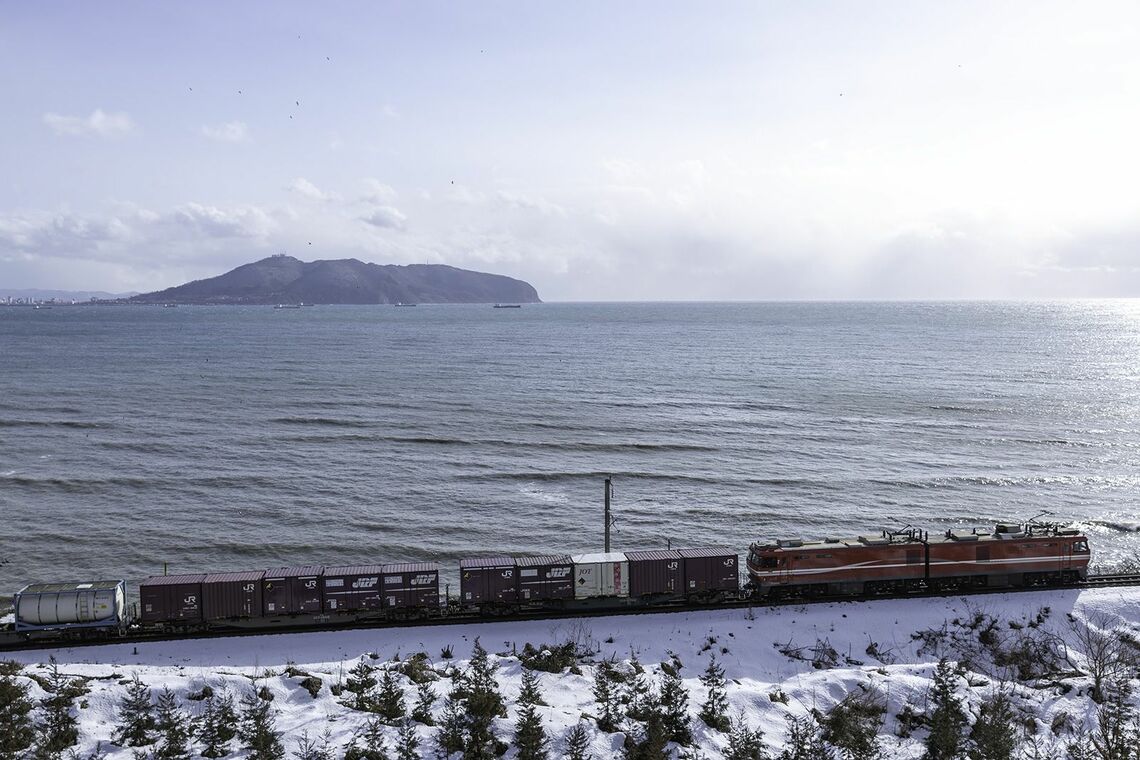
598, 150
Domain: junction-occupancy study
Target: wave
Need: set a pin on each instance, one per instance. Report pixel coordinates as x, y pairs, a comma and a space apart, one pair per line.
606, 447
716, 480
960, 409
1122, 526
327, 421
341, 438
142, 448
77, 485
73, 424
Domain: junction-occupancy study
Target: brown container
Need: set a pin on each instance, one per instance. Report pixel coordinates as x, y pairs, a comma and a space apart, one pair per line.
171, 598
488, 580
545, 578
711, 570
659, 572
353, 587
411, 585
292, 590
232, 595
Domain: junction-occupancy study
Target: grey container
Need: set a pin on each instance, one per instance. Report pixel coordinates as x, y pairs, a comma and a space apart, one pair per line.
711, 570
411, 585
292, 590
488, 580
353, 587
232, 596
87, 604
171, 599
656, 573
546, 578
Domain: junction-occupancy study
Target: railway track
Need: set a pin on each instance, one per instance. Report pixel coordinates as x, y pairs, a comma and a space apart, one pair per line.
10, 641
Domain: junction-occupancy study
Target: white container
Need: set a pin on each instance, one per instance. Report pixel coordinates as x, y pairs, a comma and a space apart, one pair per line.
48, 605
600, 574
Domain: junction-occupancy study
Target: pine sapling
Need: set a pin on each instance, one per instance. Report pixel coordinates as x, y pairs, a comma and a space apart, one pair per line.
452, 731
57, 728
853, 725
947, 719
390, 700
744, 743
714, 711
407, 746
309, 748
368, 743
16, 731
578, 742
359, 685
530, 694
991, 737
805, 741
530, 737
258, 729
173, 728
674, 699
425, 701
607, 697
136, 716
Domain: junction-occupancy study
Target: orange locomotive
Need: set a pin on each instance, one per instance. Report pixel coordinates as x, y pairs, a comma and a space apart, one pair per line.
1028, 554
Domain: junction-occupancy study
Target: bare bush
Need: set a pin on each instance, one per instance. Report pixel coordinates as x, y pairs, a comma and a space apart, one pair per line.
1109, 653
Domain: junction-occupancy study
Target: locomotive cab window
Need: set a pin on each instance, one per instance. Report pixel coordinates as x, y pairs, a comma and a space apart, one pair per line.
768, 562
1081, 547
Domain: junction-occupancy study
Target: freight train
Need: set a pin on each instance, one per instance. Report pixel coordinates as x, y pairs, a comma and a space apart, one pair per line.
317, 596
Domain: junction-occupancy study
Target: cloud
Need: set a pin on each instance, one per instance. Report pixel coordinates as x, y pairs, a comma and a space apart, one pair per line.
376, 191
64, 236
132, 233
231, 131
99, 123
213, 222
531, 203
387, 217
307, 189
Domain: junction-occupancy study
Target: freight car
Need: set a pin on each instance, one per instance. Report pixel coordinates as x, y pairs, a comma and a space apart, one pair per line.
911, 560
288, 597
75, 610
499, 585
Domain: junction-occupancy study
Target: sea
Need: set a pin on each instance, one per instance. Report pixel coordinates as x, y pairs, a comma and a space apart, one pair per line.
137, 440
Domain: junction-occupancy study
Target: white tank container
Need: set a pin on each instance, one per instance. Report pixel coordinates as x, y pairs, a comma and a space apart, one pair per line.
49, 605
601, 574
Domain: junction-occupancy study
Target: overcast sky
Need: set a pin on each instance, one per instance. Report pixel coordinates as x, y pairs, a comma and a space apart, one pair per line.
598, 150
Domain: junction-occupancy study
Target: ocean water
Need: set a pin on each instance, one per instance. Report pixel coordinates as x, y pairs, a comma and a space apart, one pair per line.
215, 438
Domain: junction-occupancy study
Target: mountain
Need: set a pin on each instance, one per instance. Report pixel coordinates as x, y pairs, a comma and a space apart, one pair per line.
284, 279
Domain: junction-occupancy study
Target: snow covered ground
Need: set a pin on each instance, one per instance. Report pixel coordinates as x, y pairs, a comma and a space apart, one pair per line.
767, 654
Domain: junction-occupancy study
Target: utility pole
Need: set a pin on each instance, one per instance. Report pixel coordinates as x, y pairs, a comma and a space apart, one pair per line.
609, 488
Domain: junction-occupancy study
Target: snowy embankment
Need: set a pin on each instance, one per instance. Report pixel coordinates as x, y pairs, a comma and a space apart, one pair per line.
780, 663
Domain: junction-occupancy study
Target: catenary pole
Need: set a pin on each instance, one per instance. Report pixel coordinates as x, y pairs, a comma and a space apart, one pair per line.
609, 486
